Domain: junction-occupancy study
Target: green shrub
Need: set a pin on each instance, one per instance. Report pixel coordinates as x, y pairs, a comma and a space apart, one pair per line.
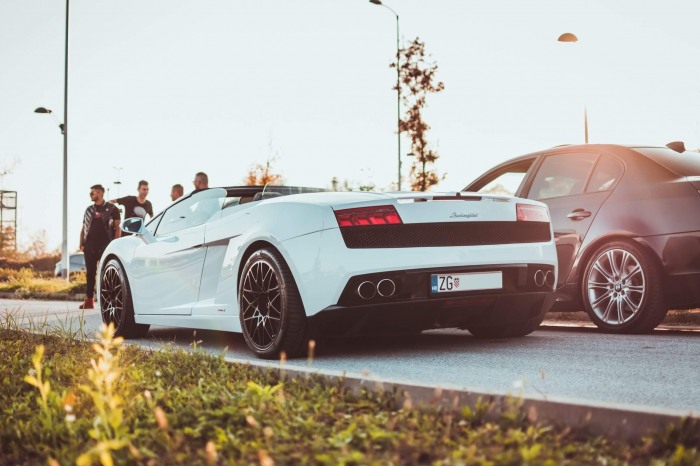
26, 283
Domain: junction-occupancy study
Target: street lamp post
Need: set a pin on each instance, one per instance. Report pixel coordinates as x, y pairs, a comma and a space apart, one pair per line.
569, 37
398, 90
65, 263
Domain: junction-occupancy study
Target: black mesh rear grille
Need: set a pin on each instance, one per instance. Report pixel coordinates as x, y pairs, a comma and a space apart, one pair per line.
415, 235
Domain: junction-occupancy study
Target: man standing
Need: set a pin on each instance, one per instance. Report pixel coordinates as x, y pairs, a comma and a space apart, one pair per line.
201, 181
100, 226
176, 192
136, 206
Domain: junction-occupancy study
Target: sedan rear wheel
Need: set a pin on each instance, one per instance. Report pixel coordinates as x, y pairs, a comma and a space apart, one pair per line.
115, 302
271, 312
622, 289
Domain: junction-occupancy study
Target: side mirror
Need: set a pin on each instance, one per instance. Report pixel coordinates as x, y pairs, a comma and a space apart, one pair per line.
133, 225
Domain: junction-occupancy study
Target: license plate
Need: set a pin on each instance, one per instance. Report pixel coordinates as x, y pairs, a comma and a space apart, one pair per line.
450, 283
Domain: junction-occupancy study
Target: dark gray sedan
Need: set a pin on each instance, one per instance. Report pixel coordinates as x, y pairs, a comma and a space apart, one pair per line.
626, 222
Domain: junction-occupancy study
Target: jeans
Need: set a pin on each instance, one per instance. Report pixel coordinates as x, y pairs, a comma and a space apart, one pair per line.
93, 253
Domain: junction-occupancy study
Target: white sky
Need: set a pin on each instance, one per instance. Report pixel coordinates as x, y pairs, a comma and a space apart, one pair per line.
165, 88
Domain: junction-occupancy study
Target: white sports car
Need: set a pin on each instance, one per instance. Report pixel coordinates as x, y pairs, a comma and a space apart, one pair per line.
283, 265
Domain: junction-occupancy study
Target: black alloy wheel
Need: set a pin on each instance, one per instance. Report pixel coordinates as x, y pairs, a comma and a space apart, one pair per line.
116, 305
271, 312
622, 289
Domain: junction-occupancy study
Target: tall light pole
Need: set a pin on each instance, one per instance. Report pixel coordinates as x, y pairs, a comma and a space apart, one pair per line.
569, 37
65, 263
398, 90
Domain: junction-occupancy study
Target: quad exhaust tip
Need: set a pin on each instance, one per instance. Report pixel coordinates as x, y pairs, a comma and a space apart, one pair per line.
368, 290
543, 278
386, 288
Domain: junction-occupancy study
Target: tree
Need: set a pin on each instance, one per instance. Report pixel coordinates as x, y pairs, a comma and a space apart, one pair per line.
261, 174
417, 80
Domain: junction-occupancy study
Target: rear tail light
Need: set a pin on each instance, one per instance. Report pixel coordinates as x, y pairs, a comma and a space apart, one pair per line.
362, 216
531, 213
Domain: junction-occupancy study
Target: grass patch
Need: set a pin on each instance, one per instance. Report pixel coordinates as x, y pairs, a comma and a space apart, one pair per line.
65, 401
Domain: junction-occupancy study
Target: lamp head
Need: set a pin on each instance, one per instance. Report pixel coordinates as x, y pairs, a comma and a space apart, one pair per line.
376, 2
42, 110
568, 37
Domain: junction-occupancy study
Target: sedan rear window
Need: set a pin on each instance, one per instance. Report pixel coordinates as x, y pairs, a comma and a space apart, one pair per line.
684, 164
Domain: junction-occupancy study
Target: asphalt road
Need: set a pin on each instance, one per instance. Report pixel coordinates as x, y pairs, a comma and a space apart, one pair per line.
659, 372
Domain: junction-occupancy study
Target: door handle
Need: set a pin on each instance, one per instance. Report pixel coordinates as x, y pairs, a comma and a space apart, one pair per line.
578, 214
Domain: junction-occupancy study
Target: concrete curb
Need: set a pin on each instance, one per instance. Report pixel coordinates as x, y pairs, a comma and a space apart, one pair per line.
624, 422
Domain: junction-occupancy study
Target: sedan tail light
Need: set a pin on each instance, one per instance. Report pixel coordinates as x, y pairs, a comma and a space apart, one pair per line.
531, 213
362, 216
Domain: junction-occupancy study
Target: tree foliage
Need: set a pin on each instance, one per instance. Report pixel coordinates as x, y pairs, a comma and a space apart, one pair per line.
417, 79
261, 174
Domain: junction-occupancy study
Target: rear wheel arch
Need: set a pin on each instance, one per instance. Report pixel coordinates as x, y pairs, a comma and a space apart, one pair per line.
582, 262
255, 246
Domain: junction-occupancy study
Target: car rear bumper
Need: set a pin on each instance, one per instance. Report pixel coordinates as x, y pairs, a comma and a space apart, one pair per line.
324, 268
680, 257
430, 313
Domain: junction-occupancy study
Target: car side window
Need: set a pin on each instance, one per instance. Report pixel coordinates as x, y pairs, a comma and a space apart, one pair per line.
562, 175
506, 184
192, 211
606, 173
505, 180
153, 224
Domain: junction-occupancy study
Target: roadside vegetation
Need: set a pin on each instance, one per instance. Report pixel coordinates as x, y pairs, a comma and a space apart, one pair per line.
30, 273
26, 283
68, 400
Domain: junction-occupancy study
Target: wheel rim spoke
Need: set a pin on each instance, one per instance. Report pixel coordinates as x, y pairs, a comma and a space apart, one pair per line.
634, 307
608, 309
601, 298
618, 305
597, 266
611, 262
637, 269
615, 286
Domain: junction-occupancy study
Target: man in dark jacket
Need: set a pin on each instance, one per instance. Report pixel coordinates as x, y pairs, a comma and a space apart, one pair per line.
100, 226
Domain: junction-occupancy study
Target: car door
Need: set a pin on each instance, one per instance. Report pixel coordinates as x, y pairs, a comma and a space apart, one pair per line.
166, 273
573, 185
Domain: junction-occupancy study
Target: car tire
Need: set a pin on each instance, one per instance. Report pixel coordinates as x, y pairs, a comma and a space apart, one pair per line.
271, 312
514, 330
116, 305
622, 289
